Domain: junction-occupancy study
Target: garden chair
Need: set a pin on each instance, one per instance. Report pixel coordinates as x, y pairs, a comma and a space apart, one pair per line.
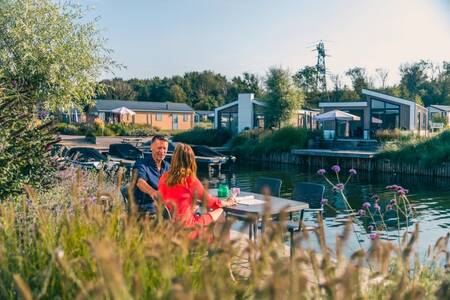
311, 193
272, 184
166, 214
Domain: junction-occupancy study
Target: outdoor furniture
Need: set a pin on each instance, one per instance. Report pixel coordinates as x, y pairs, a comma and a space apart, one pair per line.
253, 213
142, 211
272, 184
312, 194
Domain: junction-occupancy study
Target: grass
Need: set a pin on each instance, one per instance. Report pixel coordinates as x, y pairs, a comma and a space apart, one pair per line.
427, 152
260, 142
78, 241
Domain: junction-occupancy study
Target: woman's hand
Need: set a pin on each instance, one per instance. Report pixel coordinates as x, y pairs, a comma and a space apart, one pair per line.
229, 202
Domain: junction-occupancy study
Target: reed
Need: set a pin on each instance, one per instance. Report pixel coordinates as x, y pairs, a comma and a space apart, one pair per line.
78, 241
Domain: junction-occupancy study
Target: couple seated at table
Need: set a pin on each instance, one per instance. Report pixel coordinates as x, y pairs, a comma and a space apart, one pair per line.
177, 185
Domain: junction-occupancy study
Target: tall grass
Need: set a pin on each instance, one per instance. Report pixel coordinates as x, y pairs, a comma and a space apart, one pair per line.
257, 142
427, 152
77, 241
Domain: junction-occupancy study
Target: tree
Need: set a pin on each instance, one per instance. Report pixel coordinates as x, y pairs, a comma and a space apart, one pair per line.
49, 60
413, 80
116, 89
382, 75
282, 97
247, 83
359, 79
307, 79
49, 53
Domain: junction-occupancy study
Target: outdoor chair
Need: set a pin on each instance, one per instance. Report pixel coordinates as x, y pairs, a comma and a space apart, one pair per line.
272, 184
311, 193
143, 209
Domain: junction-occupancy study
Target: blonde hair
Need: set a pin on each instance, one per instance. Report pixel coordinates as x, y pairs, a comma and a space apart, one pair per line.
182, 165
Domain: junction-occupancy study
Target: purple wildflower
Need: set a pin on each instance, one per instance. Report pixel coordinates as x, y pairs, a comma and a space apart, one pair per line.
339, 186
402, 192
366, 205
371, 227
362, 212
336, 168
321, 172
376, 198
373, 236
393, 202
389, 207
376, 206
324, 202
352, 171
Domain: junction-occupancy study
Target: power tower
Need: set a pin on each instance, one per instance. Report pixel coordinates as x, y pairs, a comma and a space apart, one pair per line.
320, 66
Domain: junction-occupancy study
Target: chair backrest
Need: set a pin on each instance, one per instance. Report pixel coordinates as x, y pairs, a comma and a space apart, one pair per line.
273, 184
311, 193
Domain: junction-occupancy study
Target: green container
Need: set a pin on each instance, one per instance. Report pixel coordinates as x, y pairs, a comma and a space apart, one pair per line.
222, 191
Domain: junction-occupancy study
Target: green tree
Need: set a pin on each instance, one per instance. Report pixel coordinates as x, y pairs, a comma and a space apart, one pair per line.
413, 80
247, 83
307, 79
359, 79
49, 53
49, 60
116, 89
282, 97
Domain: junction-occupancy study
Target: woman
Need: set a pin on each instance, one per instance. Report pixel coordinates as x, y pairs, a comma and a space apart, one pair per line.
180, 189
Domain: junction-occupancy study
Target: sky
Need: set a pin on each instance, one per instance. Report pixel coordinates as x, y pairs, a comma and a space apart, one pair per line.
171, 37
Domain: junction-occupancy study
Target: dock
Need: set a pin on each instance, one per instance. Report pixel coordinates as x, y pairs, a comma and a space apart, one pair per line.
334, 153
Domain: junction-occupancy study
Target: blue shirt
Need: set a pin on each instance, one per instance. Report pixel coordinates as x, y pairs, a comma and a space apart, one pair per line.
147, 170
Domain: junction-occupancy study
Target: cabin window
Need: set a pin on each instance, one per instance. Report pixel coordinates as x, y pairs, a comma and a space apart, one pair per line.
185, 117
158, 116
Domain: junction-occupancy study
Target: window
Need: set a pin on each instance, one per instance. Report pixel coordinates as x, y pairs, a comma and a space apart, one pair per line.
229, 120
185, 117
158, 116
384, 115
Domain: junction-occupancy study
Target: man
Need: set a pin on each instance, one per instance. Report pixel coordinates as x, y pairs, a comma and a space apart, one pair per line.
149, 170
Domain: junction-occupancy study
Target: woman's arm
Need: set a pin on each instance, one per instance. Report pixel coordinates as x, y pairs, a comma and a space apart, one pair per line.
202, 194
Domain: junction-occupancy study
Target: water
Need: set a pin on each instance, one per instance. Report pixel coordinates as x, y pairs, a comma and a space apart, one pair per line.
430, 197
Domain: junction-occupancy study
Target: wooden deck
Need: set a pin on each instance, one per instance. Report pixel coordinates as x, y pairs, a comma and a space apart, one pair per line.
334, 153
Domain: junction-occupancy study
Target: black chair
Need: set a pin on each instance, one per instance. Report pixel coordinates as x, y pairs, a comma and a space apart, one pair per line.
311, 193
272, 184
143, 209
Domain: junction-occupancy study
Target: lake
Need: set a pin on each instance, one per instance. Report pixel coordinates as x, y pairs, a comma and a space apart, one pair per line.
430, 197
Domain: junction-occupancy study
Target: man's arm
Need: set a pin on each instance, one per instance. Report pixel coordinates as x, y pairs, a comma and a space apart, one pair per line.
146, 188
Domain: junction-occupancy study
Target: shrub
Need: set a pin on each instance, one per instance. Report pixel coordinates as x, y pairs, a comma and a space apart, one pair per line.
200, 136
258, 142
427, 152
69, 129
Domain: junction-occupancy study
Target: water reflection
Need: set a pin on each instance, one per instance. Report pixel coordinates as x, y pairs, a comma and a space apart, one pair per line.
430, 196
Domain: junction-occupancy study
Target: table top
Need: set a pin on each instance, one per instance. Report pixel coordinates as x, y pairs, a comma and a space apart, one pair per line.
277, 205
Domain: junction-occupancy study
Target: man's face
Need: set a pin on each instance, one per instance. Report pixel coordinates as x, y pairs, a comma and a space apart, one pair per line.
159, 149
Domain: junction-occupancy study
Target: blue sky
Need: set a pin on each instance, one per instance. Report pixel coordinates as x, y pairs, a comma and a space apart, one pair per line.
169, 37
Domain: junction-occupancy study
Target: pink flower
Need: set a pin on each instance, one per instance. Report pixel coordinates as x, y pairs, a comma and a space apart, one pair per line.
340, 186
324, 202
362, 212
352, 171
376, 206
366, 205
373, 236
336, 168
321, 172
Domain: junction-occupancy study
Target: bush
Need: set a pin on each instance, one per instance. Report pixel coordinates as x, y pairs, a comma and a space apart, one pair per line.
207, 137
69, 129
427, 152
259, 142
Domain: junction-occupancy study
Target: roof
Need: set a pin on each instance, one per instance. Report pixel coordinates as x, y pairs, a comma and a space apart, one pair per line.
204, 112
109, 105
389, 97
343, 104
441, 107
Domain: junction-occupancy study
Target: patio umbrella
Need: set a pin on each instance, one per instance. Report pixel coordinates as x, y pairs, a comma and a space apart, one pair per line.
123, 111
336, 115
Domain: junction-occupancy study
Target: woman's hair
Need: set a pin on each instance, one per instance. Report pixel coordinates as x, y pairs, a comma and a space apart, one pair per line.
182, 165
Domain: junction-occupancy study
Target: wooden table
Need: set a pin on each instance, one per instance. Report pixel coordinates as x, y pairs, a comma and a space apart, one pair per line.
254, 213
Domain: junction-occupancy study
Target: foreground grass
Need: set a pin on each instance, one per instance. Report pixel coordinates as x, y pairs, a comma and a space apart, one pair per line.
77, 241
